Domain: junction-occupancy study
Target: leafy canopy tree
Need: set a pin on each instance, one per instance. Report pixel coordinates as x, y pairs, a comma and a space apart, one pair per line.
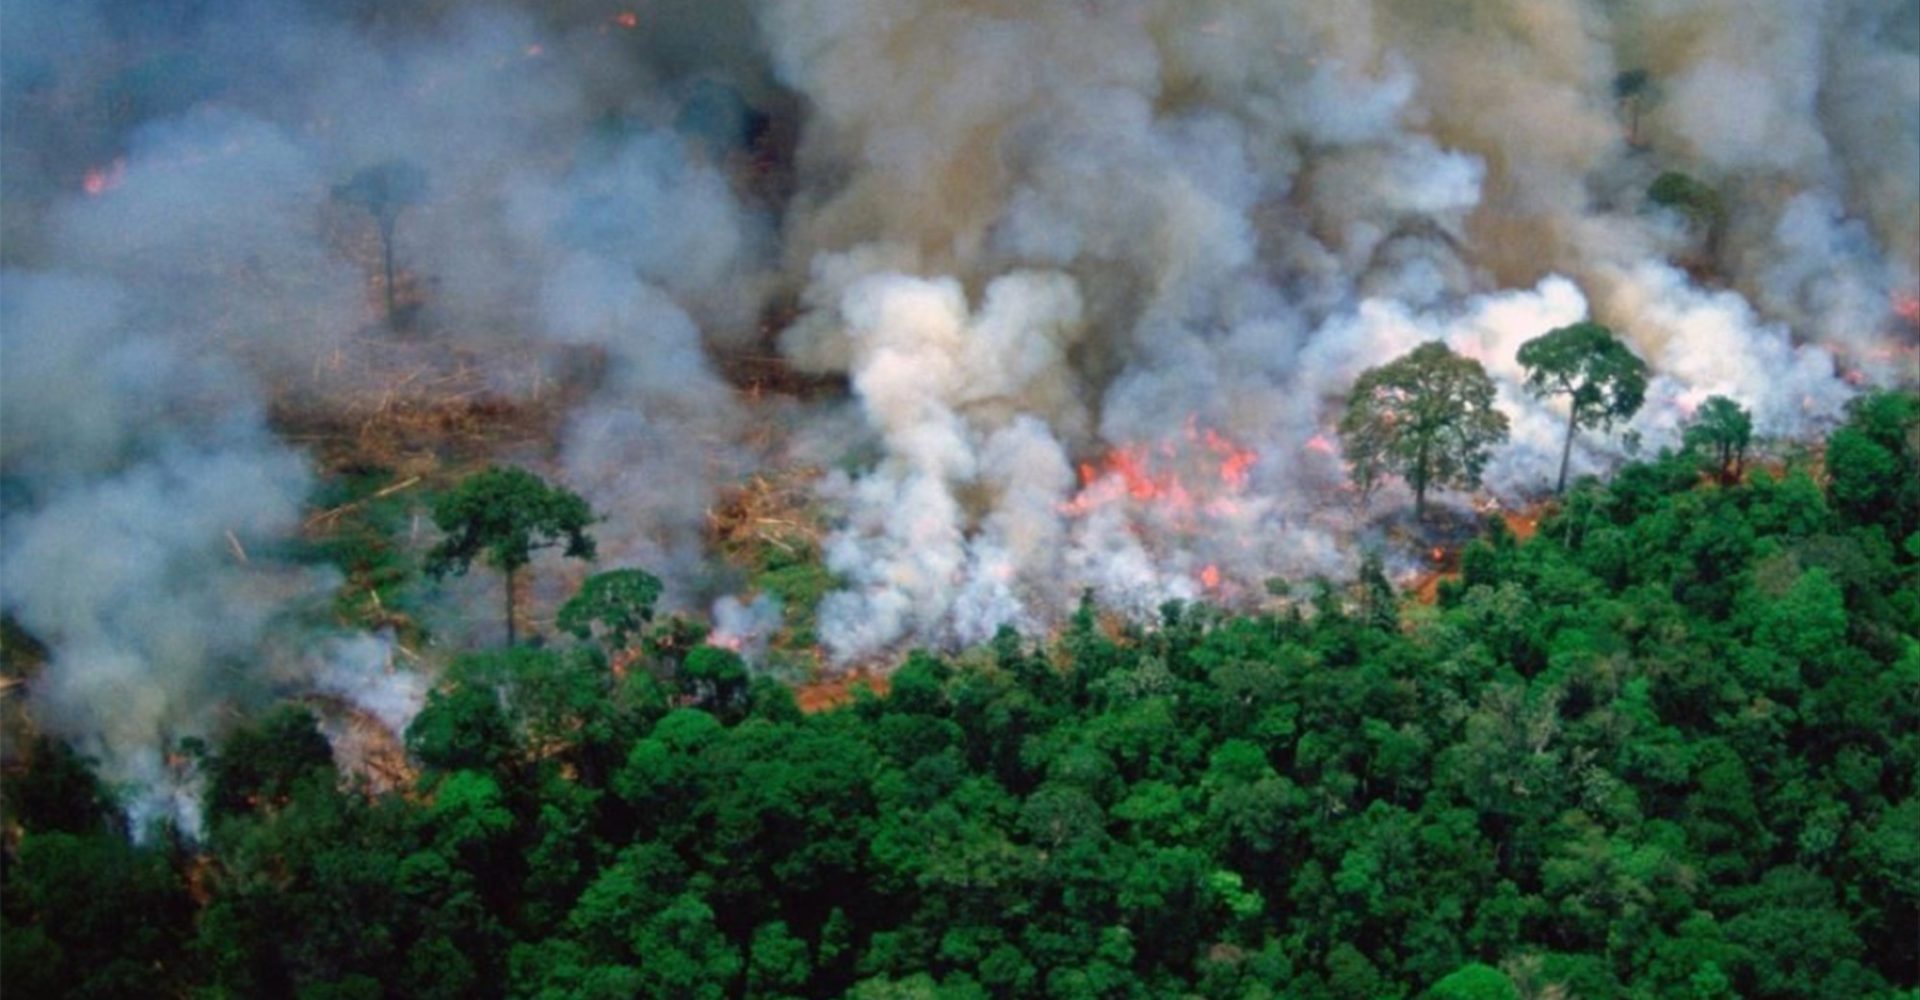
1696, 201
1601, 377
1475, 981
504, 514
1427, 415
1871, 462
620, 602
1721, 431
261, 763
385, 190
58, 791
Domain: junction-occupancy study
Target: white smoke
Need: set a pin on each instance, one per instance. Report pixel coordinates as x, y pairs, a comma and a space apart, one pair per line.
360, 670
182, 247
1254, 202
745, 626
1097, 275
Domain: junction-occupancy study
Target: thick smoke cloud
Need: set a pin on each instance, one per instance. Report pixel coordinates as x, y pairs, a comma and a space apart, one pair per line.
146, 476
1252, 202
184, 264
1096, 276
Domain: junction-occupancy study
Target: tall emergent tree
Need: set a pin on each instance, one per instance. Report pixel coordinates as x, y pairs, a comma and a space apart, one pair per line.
505, 514
1634, 90
1720, 432
1427, 415
1601, 377
385, 190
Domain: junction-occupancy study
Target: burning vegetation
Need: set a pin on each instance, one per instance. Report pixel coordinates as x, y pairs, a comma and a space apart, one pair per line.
949, 326
1243, 499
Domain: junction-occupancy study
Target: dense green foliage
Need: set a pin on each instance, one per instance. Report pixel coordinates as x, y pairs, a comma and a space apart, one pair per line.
1697, 201
1601, 377
616, 605
1665, 748
504, 515
1427, 416
1719, 435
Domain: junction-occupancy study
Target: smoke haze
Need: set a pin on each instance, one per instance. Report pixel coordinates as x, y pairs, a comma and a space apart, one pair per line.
1094, 276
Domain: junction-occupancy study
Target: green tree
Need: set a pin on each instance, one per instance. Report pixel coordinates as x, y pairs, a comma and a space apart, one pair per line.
1721, 431
1377, 596
683, 952
1601, 377
261, 763
1695, 200
777, 962
1475, 981
505, 514
716, 679
619, 602
1872, 462
462, 728
58, 791
385, 190
1428, 416
92, 916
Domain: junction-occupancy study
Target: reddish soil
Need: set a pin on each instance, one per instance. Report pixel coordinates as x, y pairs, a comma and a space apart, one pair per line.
1524, 523
832, 692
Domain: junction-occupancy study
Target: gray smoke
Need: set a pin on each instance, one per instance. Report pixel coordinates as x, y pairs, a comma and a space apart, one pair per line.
1250, 203
144, 476
1097, 277
176, 256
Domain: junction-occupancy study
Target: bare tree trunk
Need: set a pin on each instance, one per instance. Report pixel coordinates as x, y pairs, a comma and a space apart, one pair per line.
1566, 449
512, 637
1420, 484
386, 253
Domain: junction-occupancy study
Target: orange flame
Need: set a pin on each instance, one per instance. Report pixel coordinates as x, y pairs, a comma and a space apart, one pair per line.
1210, 577
100, 180
1158, 476
627, 19
1907, 307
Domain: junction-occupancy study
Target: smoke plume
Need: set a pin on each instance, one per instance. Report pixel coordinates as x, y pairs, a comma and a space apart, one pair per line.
1094, 277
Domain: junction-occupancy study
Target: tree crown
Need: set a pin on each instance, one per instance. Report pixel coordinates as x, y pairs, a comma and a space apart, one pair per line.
504, 514
1601, 376
1428, 415
619, 601
1693, 198
385, 188
1720, 421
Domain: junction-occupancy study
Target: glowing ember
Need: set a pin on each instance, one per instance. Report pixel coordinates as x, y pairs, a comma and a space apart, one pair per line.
1210, 577
100, 180
627, 19
1438, 554
1907, 307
